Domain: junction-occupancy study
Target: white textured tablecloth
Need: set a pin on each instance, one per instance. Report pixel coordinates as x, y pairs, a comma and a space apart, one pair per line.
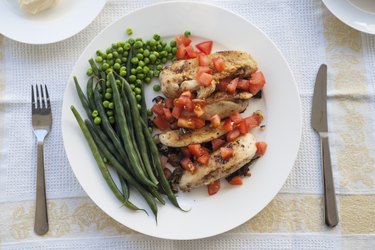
307, 35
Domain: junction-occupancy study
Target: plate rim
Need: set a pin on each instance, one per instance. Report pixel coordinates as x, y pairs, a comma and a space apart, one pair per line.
295, 86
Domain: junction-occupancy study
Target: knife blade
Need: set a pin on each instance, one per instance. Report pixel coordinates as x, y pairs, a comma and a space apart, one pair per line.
320, 125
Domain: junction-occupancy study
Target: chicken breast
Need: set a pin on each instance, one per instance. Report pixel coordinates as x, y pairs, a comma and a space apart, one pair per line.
176, 139
244, 150
180, 76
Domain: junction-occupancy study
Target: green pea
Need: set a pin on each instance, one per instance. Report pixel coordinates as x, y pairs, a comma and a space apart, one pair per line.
187, 33
156, 37
174, 50
109, 56
138, 45
122, 73
138, 98
111, 119
99, 59
151, 74
106, 104
89, 72
108, 90
150, 129
164, 60
139, 106
147, 79
99, 53
159, 67
149, 112
138, 83
108, 96
157, 54
163, 53
152, 58
158, 61
131, 41
129, 31
108, 71
139, 39
159, 47
140, 50
97, 120
118, 82
116, 66
132, 78
135, 60
108, 84
123, 68
141, 63
105, 160
114, 46
133, 71
120, 50
127, 46
156, 73
156, 87
110, 105
124, 59
109, 50
137, 90
94, 113
140, 76
152, 42
146, 60
132, 86
173, 43
163, 43
125, 54
139, 56
115, 54
111, 62
109, 112
168, 48
146, 53
104, 55
139, 69
145, 70
170, 56
118, 60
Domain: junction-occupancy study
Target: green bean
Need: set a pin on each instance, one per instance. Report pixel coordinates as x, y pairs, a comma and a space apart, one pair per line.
126, 139
138, 129
128, 177
128, 63
82, 97
98, 158
157, 163
94, 67
157, 195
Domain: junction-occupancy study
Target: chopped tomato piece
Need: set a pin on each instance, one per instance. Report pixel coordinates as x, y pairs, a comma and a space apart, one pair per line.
182, 101
243, 128
236, 180
161, 123
186, 94
181, 51
158, 109
219, 64
215, 121
198, 122
204, 69
213, 187
164, 161
199, 106
191, 52
169, 103
222, 86
243, 85
226, 153
257, 82
252, 121
185, 122
177, 111
261, 147
228, 126
204, 159
233, 135
195, 149
205, 47
204, 79
188, 165
189, 106
186, 152
236, 118
231, 87
203, 60
217, 143
167, 114
183, 40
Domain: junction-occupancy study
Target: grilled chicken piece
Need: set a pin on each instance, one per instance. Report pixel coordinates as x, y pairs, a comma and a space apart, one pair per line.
176, 139
244, 150
181, 75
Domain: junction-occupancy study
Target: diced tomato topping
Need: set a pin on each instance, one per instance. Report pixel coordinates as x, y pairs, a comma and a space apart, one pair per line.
257, 82
219, 64
228, 126
198, 122
189, 106
215, 121
252, 121
222, 86
204, 79
191, 53
164, 161
158, 109
169, 103
261, 147
233, 135
217, 143
183, 40
186, 152
182, 101
213, 187
195, 149
243, 128
203, 60
205, 47
236, 118
188, 165
181, 51
177, 111
161, 122
243, 85
204, 159
185, 122
204, 69
226, 153
167, 114
199, 106
236, 180
231, 87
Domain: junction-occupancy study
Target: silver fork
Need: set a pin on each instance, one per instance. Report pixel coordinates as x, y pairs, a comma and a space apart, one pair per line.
42, 122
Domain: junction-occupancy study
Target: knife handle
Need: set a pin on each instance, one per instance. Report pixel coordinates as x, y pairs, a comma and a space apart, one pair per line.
330, 207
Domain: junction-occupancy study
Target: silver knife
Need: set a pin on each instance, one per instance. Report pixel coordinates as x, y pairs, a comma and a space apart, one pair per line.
320, 125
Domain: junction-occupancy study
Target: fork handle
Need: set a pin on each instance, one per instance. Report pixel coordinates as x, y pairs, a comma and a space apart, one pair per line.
330, 207
41, 217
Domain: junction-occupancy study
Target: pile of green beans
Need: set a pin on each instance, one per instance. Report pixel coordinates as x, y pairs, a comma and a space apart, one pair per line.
116, 125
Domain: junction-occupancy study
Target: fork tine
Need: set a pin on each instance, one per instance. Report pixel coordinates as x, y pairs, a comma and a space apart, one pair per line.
47, 97
32, 98
42, 101
37, 97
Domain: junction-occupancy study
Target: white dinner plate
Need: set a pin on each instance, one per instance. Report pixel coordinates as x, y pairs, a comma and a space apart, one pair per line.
63, 20
233, 205
358, 14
